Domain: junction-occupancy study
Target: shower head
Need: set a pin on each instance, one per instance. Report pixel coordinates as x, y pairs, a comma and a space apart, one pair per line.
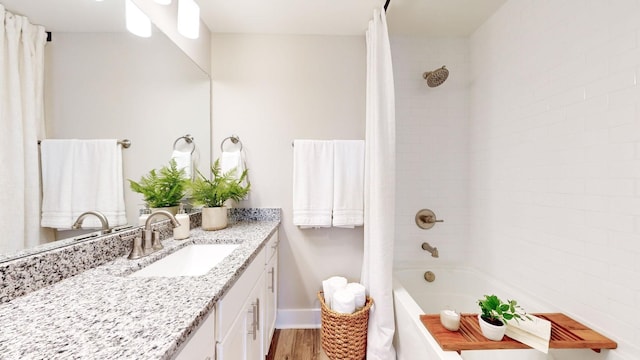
436, 77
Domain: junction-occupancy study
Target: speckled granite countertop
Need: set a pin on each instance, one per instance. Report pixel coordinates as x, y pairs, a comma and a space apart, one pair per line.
103, 314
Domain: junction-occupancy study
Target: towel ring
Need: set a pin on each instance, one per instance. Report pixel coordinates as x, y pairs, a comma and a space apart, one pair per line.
234, 139
188, 139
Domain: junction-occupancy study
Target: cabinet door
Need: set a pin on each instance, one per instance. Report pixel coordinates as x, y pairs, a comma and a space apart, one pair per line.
255, 322
271, 300
243, 341
234, 344
201, 344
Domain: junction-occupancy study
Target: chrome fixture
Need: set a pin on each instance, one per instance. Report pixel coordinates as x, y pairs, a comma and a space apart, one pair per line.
429, 276
425, 219
136, 249
149, 242
235, 139
151, 238
125, 143
436, 77
188, 139
431, 249
103, 220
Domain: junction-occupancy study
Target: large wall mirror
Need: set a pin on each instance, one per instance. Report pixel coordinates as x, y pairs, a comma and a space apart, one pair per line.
102, 82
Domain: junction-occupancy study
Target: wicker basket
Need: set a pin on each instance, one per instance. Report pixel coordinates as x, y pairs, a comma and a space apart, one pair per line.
344, 336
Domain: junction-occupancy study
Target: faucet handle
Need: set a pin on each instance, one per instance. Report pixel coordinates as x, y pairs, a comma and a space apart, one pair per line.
147, 242
136, 250
155, 242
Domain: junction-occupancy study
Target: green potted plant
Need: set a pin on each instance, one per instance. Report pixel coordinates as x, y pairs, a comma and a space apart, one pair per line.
494, 316
212, 194
162, 189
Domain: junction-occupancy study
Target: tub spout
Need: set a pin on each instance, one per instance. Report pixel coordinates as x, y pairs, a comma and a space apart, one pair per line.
431, 249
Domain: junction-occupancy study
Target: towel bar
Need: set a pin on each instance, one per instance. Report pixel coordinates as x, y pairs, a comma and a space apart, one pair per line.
125, 143
188, 139
235, 139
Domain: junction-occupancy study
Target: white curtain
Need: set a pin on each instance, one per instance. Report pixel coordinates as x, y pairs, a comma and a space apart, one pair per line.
21, 125
379, 190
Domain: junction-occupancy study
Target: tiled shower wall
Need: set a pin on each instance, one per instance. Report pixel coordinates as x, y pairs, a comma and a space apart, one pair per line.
555, 157
432, 148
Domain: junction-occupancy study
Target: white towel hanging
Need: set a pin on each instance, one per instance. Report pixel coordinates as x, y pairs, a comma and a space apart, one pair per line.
312, 183
348, 183
78, 176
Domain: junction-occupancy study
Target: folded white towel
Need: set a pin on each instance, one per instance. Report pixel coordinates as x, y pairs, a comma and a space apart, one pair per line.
348, 183
184, 161
78, 176
359, 292
535, 332
343, 302
312, 183
330, 285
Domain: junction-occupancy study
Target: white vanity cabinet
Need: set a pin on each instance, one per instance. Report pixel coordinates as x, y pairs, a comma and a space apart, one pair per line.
245, 316
201, 344
271, 290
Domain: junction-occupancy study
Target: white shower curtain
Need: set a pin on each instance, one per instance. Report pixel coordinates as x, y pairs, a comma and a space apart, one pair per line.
379, 215
21, 125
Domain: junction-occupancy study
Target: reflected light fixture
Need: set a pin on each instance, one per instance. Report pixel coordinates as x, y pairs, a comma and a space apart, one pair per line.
137, 22
188, 19
163, 2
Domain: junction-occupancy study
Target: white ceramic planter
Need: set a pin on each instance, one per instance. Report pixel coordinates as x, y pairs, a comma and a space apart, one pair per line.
214, 218
491, 332
172, 209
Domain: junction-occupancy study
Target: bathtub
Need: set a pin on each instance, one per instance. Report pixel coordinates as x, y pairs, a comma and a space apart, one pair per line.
457, 289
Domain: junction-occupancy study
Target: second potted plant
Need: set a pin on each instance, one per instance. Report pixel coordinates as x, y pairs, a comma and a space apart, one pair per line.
213, 193
162, 189
495, 314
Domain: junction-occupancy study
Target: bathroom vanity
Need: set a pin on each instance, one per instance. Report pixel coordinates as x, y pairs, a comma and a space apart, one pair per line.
104, 312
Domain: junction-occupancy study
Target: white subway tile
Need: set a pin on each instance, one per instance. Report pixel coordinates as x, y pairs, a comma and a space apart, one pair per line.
606, 83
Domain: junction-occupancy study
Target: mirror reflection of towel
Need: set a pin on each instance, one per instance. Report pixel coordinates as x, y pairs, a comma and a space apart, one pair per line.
234, 159
79, 176
184, 161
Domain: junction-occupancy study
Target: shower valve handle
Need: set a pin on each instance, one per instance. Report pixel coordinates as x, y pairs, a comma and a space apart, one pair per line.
429, 219
426, 219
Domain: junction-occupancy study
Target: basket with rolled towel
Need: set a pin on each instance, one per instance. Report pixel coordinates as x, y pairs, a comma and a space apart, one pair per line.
344, 319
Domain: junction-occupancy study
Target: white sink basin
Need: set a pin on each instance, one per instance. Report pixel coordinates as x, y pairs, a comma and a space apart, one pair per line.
193, 260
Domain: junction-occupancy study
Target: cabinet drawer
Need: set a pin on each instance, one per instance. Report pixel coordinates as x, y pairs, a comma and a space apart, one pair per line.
272, 246
230, 306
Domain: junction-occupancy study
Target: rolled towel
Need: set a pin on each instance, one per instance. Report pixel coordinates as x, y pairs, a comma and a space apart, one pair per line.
330, 286
359, 292
343, 302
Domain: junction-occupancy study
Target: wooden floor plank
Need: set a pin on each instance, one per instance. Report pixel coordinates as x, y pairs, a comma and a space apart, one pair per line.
296, 344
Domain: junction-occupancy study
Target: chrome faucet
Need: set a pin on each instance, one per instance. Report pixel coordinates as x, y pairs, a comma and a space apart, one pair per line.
431, 249
103, 220
151, 238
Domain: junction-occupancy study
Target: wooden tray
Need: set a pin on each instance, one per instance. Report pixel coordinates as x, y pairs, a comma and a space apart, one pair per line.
566, 333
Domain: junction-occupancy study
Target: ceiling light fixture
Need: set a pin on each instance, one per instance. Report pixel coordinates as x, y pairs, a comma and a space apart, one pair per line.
188, 19
137, 22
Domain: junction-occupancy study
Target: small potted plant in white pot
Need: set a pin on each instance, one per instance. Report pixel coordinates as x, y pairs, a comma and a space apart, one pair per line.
213, 193
162, 189
495, 314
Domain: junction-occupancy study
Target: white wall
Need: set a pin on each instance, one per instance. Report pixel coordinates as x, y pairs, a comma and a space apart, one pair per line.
432, 169
555, 157
116, 85
270, 90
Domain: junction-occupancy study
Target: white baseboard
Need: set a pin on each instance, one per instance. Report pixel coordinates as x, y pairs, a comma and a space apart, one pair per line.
298, 319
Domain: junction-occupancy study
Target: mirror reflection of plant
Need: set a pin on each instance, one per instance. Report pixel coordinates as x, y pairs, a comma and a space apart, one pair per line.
497, 312
222, 187
162, 188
